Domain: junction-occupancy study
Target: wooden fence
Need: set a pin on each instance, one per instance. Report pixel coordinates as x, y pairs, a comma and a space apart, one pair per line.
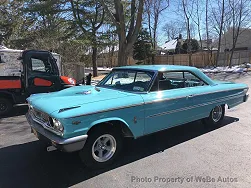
77, 70
200, 59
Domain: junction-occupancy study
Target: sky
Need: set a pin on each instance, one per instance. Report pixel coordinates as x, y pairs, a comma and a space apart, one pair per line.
171, 14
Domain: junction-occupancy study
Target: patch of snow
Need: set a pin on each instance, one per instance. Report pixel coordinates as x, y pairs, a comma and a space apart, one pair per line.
108, 49
233, 69
170, 45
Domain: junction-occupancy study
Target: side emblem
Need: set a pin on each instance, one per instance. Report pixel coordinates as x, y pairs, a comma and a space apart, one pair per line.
76, 122
135, 119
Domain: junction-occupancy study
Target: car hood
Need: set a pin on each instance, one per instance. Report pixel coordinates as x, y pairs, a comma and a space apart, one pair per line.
73, 97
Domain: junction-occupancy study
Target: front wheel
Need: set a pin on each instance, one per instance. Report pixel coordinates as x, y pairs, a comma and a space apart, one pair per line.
101, 148
5, 106
216, 116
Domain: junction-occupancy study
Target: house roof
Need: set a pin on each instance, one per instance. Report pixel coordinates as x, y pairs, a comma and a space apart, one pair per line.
170, 45
243, 40
5, 49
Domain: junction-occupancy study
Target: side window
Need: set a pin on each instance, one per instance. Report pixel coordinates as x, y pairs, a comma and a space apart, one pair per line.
192, 81
170, 80
142, 81
43, 65
37, 65
1, 61
143, 77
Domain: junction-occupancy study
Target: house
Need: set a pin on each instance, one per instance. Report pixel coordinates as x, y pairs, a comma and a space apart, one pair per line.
243, 40
170, 46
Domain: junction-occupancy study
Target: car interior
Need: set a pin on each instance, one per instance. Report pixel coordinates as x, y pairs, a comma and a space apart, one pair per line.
169, 81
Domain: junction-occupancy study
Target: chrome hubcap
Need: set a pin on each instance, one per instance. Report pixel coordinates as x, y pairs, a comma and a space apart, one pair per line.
104, 148
3, 107
217, 113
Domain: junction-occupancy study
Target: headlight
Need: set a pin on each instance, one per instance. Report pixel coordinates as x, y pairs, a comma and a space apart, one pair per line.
57, 125
72, 81
245, 90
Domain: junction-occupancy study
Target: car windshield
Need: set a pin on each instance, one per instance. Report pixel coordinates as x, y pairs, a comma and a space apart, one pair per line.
128, 80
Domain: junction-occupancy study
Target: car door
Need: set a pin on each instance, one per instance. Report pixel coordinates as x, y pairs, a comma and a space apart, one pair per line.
40, 72
200, 96
167, 105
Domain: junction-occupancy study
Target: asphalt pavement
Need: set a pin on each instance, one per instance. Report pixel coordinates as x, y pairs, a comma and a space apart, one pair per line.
191, 155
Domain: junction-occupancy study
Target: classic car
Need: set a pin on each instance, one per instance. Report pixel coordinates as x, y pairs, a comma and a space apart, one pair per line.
131, 101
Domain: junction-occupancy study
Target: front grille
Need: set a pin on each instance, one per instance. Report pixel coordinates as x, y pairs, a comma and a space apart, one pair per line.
40, 116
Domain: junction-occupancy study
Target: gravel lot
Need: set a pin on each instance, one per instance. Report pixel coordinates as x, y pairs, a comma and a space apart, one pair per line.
178, 157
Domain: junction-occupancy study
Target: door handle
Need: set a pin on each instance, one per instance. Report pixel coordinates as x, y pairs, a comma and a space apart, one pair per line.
189, 96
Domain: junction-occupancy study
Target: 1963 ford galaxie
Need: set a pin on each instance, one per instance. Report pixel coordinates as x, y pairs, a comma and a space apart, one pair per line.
130, 101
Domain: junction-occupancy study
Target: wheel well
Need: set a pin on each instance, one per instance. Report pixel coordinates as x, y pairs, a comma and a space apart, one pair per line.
6, 96
114, 124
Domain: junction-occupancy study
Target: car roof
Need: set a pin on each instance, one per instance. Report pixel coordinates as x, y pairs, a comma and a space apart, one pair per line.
158, 67
169, 68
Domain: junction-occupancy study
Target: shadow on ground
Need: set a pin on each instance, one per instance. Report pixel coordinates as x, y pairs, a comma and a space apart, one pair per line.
29, 164
17, 111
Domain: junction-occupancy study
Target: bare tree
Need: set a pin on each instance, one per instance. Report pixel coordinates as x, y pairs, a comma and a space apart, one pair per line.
197, 19
89, 15
208, 38
219, 25
153, 10
127, 35
187, 13
173, 29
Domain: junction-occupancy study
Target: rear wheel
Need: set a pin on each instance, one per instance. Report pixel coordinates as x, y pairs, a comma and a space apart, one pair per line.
5, 106
216, 116
101, 148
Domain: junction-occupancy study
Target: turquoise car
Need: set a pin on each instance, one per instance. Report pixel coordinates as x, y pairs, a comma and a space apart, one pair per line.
131, 101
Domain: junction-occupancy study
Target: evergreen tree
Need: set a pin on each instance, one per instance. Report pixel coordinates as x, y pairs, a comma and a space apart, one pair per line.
89, 16
194, 45
142, 48
10, 19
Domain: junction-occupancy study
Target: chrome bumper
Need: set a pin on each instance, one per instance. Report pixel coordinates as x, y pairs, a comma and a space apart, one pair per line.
246, 98
63, 144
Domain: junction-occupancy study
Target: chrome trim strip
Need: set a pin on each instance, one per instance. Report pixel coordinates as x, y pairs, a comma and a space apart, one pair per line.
191, 107
153, 80
107, 110
150, 102
220, 91
174, 98
166, 99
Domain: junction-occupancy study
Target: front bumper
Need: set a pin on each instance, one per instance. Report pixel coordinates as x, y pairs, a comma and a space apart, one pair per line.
63, 144
245, 98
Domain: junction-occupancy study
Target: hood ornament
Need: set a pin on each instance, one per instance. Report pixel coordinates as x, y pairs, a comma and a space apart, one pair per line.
84, 92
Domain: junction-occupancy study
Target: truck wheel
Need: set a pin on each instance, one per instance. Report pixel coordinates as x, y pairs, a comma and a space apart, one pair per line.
101, 148
5, 106
216, 116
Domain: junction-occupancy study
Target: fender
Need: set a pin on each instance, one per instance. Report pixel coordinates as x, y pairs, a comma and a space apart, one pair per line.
110, 119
